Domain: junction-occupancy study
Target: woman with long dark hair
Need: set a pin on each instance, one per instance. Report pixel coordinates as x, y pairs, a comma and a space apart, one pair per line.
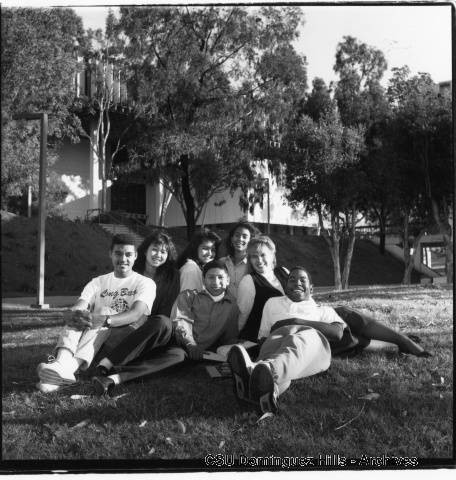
202, 248
236, 248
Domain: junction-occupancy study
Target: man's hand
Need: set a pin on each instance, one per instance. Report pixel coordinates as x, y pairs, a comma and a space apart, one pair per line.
82, 319
195, 352
77, 319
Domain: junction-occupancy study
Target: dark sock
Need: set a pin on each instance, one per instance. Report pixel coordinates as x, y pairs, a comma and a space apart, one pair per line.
101, 371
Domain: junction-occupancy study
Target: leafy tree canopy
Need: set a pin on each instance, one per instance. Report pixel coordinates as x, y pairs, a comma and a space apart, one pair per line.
213, 79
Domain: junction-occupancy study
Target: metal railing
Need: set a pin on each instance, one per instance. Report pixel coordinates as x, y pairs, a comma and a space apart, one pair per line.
134, 221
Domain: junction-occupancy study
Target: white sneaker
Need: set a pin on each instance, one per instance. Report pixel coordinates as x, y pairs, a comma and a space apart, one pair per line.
55, 373
47, 387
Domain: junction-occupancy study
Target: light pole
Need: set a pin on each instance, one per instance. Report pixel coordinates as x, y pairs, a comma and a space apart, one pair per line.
43, 117
265, 182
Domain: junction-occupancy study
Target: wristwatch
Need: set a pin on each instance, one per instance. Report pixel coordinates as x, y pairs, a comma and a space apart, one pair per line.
108, 321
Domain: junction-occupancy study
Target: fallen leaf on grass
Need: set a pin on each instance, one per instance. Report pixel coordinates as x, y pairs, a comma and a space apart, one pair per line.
143, 424
265, 416
80, 424
352, 420
151, 451
181, 426
370, 396
221, 444
120, 396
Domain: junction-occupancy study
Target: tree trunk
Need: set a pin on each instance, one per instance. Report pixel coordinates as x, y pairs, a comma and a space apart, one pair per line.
188, 198
408, 258
382, 223
350, 248
333, 242
441, 219
406, 279
164, 207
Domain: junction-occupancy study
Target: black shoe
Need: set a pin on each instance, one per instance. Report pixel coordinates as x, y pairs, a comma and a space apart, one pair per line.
103, 385
241, 366
262, 389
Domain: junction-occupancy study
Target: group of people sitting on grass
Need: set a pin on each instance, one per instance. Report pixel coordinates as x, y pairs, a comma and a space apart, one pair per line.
156, 309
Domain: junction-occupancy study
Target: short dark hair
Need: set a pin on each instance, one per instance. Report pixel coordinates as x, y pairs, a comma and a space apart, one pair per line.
241, 224
191, 250
123, 239
298, 267
214, 264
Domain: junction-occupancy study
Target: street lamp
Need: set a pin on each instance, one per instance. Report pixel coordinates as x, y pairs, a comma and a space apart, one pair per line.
43, 117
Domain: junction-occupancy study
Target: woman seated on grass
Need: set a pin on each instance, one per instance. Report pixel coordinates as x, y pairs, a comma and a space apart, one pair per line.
236, 247
266, 280
202, 248
156, 260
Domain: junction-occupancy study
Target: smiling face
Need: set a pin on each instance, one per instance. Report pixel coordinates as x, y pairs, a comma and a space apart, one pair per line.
298, 286
206, 251
123, 257
216, 280
262, 259
156, 255
240, 239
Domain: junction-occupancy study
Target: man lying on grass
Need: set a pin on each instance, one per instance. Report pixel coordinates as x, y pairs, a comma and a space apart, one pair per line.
207, 319
122, 297
296, 337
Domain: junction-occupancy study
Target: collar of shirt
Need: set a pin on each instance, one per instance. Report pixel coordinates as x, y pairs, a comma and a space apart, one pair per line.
305, 303
220, 298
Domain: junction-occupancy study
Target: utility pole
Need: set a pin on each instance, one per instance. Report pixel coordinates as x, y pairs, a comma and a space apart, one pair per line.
43, 117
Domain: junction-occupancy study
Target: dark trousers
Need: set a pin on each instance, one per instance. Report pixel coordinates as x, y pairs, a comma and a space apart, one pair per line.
132, 341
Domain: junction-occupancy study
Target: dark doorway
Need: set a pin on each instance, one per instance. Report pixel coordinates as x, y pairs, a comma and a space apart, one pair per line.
129, 198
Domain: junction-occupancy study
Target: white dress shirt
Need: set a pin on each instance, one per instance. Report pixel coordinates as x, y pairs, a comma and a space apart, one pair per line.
281, 308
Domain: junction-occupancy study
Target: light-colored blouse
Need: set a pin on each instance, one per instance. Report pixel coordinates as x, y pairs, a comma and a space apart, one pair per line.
191, 276
236, 272
246, 295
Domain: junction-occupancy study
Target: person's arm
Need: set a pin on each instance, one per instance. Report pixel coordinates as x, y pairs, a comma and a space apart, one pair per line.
183, 319
332, 331
191, 277
266, 320
245, 299
76, 316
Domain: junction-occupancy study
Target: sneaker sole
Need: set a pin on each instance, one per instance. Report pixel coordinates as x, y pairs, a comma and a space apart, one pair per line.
262, 389
241, 375
49, 375
47, 389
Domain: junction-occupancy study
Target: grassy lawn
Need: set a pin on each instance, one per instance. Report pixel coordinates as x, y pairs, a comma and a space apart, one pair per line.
183, 414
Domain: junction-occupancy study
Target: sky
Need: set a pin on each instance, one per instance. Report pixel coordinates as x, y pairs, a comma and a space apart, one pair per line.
418, 35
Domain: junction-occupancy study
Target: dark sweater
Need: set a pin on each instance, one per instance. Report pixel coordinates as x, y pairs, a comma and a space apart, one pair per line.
263, 292
167, 292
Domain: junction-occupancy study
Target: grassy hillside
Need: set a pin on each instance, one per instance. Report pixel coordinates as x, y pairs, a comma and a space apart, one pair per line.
77, 252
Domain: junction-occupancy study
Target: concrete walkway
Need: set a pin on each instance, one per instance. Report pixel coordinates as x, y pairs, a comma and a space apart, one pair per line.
24, 303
